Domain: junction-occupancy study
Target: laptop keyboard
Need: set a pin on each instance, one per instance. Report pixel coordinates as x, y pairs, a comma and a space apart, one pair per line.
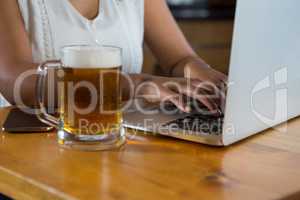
211, 125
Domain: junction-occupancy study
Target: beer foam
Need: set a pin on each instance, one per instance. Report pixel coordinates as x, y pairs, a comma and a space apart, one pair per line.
91, 57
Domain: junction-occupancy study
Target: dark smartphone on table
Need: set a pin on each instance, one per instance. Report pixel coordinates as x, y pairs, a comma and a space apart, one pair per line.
18, 121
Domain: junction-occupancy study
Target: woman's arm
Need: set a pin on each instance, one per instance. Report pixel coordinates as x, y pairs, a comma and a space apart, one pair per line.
167, 41
15, 53
163, 35
175, 55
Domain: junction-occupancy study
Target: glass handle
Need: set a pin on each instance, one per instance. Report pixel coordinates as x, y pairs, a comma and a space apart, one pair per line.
40, 91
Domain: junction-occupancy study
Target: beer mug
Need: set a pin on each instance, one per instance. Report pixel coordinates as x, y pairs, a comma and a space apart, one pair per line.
89, 97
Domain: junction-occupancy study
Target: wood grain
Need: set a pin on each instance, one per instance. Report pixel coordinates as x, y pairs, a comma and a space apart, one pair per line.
152, 167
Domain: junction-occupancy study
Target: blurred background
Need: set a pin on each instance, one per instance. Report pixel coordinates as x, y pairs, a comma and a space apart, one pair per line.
208, 26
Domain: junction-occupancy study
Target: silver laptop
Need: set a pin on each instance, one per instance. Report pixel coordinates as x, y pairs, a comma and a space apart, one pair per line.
264, 78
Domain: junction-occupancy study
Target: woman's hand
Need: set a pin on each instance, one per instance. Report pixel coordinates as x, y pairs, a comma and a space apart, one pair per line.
194, 78
174, 90
212, 82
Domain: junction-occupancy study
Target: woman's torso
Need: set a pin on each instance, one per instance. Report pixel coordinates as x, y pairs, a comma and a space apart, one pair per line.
52, 24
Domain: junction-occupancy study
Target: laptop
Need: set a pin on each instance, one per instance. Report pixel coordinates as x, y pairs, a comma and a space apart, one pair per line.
264, 80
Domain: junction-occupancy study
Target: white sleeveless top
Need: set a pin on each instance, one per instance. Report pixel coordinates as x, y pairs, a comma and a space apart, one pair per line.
52, 24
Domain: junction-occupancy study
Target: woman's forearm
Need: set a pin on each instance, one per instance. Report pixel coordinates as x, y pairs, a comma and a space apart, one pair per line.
180, 68
18, 85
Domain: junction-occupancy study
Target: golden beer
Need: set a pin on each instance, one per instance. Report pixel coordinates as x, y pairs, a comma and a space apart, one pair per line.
97, 88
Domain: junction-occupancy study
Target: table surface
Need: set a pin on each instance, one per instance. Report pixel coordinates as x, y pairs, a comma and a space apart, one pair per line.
33, 166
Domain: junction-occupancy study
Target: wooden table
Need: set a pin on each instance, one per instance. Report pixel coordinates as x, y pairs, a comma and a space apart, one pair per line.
266, 166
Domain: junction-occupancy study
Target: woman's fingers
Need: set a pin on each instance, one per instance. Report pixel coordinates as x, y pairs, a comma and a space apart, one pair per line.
210, 86
216, 91
175, 98
174, 89
203, 97
186, 88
